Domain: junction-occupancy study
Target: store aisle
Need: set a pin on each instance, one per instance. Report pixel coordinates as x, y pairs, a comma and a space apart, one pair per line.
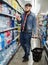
17, 60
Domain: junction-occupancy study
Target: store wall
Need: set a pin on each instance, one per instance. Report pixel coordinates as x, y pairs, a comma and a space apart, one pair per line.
40, 6
43, 5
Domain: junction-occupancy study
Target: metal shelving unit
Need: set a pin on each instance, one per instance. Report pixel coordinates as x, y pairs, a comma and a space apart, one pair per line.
46, 45
46, 50
4, 1
43, 22
10, 55
9, 15
12, 43
9, 29
19, 5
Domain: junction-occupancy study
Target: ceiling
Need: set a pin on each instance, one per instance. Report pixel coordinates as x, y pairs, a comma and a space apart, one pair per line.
23, 2
38, 5
43, 5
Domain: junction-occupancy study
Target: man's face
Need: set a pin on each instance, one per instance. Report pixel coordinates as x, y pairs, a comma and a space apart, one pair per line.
27, 8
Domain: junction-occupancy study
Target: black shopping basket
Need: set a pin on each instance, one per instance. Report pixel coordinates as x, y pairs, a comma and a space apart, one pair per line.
37, 54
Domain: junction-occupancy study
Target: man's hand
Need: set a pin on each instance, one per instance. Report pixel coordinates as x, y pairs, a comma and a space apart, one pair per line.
18, 17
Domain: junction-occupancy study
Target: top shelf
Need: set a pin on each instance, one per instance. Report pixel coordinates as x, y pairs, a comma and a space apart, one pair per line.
19, 4
9, 5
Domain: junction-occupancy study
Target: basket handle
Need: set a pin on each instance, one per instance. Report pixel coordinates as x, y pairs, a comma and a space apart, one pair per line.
36, 37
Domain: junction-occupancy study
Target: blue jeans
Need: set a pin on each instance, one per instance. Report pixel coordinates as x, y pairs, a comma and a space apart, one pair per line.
25, 39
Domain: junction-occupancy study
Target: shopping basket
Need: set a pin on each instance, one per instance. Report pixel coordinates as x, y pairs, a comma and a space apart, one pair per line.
36, 49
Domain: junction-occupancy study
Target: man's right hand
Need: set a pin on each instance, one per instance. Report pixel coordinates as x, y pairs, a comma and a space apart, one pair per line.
18, 17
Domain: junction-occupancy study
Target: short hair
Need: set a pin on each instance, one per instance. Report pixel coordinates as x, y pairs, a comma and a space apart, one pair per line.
28, 4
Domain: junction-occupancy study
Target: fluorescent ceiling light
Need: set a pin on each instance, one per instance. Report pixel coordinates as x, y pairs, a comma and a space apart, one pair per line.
35, 7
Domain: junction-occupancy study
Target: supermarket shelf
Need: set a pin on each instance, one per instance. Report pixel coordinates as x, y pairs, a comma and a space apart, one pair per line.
46, 58
18, 12
9, 29
11, 53
12, 48
9, 56
9, 15
4, 1
46, 47
16, 37
10, 43
19, 4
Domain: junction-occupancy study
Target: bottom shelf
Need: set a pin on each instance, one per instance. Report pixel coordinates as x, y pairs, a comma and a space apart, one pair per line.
46, 58
11, 51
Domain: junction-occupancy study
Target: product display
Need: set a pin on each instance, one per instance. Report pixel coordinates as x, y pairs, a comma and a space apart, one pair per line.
5, 9
14, 4
46, 45
12, 23
8, 36
43, 32
42, 29
2, 41
6, 21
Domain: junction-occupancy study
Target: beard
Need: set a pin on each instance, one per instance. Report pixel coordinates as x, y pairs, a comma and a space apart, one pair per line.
27, 11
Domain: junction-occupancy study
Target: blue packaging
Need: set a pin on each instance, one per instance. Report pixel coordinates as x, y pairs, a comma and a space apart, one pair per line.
2, 41
12, 23
43, 41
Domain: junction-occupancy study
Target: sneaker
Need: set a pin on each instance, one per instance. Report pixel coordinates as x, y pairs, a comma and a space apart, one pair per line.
25, 60
24, 57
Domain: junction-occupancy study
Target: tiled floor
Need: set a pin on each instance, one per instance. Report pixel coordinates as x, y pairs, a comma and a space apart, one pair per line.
17, 60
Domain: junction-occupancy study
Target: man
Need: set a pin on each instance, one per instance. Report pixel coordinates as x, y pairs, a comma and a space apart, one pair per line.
28, 23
